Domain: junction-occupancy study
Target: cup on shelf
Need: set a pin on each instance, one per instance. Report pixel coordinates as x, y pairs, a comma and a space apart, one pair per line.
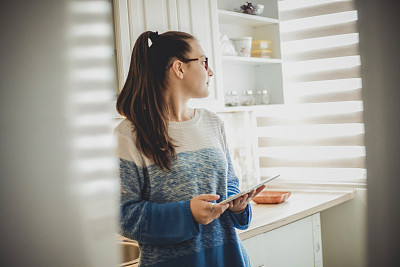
243, 46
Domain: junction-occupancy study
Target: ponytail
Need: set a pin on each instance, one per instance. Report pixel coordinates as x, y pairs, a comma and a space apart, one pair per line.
142, 99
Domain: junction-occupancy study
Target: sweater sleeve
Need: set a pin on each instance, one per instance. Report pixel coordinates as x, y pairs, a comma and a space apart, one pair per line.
146, 221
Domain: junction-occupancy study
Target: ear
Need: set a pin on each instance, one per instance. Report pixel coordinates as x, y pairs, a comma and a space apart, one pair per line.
177, 68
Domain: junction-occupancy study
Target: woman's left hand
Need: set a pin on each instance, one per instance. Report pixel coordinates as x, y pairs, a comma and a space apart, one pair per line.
239, 205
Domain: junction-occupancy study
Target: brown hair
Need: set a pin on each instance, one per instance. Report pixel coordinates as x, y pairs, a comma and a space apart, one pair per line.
142, 99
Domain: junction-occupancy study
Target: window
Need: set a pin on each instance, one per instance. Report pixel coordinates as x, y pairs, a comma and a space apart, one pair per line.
317, 137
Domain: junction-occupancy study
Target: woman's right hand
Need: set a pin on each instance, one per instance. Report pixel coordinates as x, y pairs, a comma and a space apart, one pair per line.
204, 211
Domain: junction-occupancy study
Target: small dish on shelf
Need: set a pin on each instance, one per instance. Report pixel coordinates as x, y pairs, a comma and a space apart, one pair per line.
271, 197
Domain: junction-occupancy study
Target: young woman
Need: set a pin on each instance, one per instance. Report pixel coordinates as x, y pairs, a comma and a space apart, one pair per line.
175, 166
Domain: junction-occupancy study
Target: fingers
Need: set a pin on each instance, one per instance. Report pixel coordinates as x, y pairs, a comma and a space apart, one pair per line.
208, 197
212, 207
258, 190
204, 211
211, 212
245, 199
239, 204
251, 195
219, 208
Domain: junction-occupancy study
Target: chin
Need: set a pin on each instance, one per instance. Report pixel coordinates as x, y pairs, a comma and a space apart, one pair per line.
203, 94
206, 93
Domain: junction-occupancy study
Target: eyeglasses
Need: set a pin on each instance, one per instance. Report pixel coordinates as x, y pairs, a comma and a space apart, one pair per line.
205, 62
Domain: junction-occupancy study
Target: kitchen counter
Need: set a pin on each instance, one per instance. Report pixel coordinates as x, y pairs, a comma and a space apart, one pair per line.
300, 204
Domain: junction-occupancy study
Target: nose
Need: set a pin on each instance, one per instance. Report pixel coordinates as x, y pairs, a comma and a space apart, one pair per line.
210, 72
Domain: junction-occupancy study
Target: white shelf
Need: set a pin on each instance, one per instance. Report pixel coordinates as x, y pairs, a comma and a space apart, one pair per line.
240, 19
251, 60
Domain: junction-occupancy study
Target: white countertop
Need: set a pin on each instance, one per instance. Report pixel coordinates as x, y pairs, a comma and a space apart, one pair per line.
300, 204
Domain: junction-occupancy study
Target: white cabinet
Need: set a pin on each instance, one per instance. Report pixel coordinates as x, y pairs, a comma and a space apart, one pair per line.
296, 244
132, 17
250, 73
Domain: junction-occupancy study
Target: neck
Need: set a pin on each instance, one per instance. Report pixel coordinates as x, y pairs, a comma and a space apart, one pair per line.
180, 113
178, 109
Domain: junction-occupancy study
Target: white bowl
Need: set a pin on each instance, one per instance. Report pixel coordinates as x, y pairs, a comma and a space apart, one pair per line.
258, 9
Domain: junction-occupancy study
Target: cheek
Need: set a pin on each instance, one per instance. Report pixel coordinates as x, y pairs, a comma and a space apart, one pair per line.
205, 76
201, 86
201, 78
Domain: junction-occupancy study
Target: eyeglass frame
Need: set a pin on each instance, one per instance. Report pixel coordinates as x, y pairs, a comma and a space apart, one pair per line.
186, 60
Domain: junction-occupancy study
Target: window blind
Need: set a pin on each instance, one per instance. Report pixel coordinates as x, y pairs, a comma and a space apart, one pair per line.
317, 137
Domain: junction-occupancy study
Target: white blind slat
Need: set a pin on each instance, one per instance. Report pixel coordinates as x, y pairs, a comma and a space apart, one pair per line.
341, 51
329, 30
356, 162
318, 21
351, 117
317, 10
316, 175
357, 139
348, 95
336, 74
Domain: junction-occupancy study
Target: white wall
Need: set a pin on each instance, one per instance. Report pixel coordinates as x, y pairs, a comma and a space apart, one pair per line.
51, 213
344, 233
379, 49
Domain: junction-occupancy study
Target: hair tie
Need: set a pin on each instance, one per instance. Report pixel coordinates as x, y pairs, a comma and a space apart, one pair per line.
153, 38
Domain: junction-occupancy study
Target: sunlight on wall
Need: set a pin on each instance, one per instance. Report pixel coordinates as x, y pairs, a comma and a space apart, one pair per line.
92, 30
92, 88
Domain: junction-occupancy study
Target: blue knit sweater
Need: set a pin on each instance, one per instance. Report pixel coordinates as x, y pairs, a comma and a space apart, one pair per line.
155, 204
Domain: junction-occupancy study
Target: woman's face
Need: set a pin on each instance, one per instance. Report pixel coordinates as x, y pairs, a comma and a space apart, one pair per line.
196, 77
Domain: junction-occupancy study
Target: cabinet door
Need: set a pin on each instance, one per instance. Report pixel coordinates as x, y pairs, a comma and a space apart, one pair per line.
290, 245
200, 18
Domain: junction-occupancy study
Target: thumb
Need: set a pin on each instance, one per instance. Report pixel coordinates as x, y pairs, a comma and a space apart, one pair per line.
209, 197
